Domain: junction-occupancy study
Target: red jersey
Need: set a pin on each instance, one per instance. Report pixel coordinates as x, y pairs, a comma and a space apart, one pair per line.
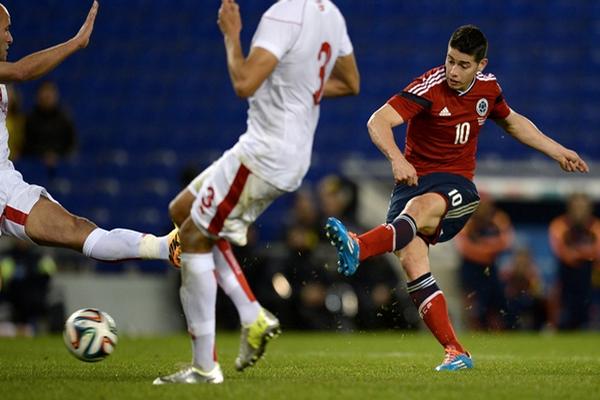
443, 124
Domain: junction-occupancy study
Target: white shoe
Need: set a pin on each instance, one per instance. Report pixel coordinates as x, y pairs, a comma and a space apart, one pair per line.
192, 375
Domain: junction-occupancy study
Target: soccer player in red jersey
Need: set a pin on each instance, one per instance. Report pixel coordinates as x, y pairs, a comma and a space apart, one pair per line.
434, 195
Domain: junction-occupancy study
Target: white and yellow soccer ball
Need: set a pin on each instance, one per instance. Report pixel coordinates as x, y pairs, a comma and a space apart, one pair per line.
90, 334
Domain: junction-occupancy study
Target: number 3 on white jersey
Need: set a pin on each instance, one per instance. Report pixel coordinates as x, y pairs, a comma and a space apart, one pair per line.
326, 51
462, 133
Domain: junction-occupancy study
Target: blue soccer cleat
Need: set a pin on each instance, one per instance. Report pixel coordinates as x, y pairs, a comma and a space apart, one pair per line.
346, 245
455, 360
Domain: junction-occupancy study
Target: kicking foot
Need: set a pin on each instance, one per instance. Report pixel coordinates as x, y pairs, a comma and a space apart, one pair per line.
174, 248
346, 245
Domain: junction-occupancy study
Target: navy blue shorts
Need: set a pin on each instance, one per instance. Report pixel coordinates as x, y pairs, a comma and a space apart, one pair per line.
461, 198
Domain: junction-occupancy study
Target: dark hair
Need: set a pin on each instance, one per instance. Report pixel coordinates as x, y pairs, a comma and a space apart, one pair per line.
470, 40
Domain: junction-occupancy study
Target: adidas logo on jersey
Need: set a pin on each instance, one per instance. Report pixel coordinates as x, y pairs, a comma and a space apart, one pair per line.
445, 112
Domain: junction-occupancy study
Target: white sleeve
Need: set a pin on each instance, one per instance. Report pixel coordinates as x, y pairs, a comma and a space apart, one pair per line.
276, 36
346, 45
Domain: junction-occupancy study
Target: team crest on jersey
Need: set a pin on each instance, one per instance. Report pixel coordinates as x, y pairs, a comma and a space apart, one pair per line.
482, 107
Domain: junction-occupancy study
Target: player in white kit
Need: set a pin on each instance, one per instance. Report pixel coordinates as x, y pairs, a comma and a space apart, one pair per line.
300, 53
28, 212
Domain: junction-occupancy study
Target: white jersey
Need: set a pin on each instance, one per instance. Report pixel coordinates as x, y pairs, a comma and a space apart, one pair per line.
5, 163
306, 36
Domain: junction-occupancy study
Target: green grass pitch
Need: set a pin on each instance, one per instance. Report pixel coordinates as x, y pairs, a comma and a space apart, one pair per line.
314, 366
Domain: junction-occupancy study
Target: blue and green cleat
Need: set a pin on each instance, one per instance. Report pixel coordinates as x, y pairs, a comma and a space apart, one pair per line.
455, 360
346, 245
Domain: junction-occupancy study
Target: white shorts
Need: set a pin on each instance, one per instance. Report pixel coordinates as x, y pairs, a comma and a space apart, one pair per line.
229, 197
17, 198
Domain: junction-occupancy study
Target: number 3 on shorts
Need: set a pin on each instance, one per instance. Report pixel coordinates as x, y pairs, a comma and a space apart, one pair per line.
207, 200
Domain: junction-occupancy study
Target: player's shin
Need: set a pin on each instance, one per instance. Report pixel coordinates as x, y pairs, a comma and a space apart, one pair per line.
431, 303
233, 282
387, 237
124, 244
198, 297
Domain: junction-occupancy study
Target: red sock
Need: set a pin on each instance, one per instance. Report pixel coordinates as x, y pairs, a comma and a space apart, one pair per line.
387, 237
434, 312
379, 240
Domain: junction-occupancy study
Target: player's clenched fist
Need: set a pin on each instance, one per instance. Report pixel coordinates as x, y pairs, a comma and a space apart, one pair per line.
229, 19
404, 172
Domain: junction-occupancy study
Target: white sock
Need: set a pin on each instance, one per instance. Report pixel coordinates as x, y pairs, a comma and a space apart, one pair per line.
154, 247
198, 297
229, 277
124, 244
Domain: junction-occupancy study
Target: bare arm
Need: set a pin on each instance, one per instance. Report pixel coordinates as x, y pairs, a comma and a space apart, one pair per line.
37, 64
344, 79
247, 74
380, 129
527, 133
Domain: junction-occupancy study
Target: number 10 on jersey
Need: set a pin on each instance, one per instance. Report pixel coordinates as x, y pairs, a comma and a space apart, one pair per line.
462, 133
